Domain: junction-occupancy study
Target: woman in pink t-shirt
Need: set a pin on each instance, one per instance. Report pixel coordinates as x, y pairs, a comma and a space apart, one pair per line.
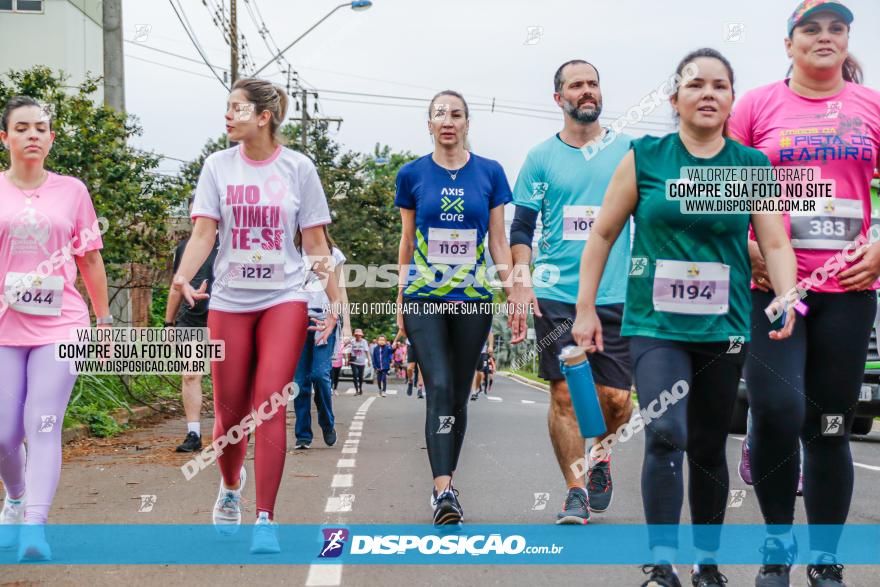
808, 385
257, 195
48, 230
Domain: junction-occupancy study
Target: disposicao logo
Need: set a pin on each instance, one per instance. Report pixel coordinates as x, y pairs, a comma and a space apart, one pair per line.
334, 542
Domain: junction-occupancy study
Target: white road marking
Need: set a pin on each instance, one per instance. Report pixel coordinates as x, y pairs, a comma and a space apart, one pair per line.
342, 480
324, 576
331, 575
527, 401
493, 398
391, 391
354, 433
339, 503
869, 467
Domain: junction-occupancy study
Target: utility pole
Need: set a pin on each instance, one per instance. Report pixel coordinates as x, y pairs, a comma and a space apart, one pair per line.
114, 71
233, 39
305, 119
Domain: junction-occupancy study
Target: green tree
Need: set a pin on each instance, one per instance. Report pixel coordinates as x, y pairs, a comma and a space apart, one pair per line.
92, 144
360, 190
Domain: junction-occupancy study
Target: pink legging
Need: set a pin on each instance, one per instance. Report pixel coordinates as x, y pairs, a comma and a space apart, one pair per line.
262, 350
34, 391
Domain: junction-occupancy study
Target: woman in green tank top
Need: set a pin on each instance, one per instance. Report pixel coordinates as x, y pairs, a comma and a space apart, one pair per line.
687, 309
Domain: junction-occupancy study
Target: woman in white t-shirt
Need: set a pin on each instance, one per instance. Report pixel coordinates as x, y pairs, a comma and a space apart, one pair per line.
256, 194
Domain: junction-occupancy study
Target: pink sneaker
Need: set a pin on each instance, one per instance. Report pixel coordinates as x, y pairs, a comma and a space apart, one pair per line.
745, 463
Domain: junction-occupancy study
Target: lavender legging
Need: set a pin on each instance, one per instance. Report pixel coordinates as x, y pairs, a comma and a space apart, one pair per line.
34, 391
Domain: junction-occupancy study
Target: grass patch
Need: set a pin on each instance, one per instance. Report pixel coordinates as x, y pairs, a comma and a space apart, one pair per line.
96, 397
530, 376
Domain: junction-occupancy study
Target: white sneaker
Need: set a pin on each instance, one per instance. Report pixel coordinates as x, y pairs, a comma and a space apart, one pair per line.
265, 539
227, 509
11, 518
32, 545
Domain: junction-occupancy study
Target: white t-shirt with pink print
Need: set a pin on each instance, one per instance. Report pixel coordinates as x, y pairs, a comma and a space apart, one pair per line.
258, 206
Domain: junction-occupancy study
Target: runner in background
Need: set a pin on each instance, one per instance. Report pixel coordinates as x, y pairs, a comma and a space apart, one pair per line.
399, 360
823, 117
681, 334
337, 361
313, 370
43, 213
482, 373
412, 368
381, 358
257, 194
182, 316
563, 180
358, 350
452, 206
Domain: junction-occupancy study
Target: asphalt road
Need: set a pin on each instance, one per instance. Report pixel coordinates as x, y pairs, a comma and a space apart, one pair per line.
507, 459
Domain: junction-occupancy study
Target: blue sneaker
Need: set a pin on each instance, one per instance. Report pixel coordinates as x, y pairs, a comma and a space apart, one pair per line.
576, 509
265, 539
32, 546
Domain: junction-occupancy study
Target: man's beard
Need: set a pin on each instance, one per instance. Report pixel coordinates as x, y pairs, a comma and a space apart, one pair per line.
582, 116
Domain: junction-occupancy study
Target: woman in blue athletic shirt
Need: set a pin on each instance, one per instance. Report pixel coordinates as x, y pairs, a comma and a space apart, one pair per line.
452, 209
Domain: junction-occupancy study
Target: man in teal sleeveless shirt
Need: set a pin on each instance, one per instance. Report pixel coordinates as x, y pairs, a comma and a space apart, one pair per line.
564, 179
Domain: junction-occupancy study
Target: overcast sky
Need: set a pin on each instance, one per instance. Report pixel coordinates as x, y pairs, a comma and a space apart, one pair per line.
483, 48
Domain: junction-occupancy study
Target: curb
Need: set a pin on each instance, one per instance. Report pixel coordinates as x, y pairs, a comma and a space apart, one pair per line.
519, 378
121, 416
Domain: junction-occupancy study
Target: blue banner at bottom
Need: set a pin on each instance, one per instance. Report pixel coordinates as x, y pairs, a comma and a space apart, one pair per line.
489, 544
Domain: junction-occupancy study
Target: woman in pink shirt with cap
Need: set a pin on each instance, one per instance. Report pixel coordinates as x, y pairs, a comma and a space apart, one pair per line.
820, 117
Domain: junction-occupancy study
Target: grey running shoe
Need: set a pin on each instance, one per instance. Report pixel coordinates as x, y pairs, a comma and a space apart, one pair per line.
661, 576
776, 568
576, 509
599, 486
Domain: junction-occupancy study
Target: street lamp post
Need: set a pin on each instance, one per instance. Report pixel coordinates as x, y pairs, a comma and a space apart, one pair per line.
357, 5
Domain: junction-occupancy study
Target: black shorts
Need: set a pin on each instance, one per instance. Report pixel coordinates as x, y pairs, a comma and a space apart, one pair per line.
611, 367
189, 321
483, 363
410, 354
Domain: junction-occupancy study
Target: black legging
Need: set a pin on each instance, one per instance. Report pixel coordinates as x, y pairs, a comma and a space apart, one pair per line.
334, 377
357, 374
696, 423
449, 340
791, 384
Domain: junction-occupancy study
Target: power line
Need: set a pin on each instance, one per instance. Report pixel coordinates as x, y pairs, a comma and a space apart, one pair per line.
496, 106
135, 57
266, 35
196, 43
476, 109
434, 89
174, 54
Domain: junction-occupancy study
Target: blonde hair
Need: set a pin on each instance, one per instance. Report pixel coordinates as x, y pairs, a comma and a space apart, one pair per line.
265, 96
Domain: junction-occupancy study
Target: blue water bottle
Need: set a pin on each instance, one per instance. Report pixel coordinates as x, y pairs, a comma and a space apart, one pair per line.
579, 377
